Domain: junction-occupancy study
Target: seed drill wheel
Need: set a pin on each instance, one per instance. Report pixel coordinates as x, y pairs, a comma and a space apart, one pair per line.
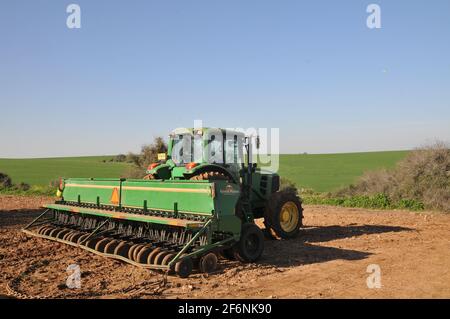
67, 236
62, 233
54, 232
122, 249
208, 263
251, 244
82, 238
160, 257
92, 242
143, 254
152, 256
283, 216
228, 254
136, 252
131, 251
40, 229
111, 246
183, 268
167, 259
74, 238
100, 245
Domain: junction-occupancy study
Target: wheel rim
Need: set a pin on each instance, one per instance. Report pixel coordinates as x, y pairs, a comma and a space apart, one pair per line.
289, 217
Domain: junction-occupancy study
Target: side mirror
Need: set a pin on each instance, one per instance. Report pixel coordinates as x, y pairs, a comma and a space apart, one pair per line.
258, 142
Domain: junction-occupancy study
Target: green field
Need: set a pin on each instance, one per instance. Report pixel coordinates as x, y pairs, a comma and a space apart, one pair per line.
324, 172
43, 171
327, 172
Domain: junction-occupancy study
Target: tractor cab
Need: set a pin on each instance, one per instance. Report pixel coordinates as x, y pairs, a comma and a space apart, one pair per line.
218, 153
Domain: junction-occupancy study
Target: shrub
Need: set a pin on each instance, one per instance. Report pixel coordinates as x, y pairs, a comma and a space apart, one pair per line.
120, 158
410, 204
421, 180
133, 158
23, 187
149, 154
287, 185
134, 172
5, 181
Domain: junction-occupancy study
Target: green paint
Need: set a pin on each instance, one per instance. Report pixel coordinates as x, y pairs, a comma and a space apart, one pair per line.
217, 200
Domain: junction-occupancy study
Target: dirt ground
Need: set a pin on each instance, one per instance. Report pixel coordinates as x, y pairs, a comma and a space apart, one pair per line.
329, 260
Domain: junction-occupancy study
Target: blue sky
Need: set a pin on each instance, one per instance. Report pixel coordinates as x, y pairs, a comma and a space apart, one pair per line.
137, 69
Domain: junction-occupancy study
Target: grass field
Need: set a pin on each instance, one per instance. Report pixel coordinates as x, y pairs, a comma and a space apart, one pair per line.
43, 171
324, 172
327, 172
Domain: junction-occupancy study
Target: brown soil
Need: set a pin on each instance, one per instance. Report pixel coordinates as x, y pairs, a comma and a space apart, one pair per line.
328, 260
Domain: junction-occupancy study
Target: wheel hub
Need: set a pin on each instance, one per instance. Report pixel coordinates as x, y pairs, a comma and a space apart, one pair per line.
289, 216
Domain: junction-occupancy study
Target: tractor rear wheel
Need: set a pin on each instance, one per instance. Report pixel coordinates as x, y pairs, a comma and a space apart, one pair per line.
283, 216
251, 245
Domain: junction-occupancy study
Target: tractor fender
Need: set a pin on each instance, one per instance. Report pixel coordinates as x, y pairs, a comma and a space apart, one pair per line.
162, 171
209, 167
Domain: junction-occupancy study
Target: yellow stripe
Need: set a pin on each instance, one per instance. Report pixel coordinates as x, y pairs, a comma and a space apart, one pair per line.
169, 210
172, 190
137, 188
91, 186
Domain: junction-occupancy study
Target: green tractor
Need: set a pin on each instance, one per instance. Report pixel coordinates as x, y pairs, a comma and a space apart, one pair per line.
198, 201
219, 154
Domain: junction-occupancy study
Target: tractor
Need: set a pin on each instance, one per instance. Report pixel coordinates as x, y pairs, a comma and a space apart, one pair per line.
198, 201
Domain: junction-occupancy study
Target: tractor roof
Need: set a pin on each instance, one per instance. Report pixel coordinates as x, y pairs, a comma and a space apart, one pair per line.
203, 130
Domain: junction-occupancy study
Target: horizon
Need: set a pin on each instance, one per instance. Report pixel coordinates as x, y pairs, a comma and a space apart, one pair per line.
281, 154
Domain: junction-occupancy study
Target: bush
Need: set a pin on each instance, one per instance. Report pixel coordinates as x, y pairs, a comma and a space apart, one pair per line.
410, 204
23, 187
134, 172
421, 180
149, 154
5, 181
120, 158
9, 188
133, 158
287, 185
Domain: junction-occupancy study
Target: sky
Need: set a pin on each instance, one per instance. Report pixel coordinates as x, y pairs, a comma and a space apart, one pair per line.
138, 69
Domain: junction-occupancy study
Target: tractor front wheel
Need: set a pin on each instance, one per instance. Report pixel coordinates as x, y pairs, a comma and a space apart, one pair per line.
251, 245
283, 216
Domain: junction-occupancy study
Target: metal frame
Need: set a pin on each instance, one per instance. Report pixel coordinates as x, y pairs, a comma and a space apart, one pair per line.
179, 256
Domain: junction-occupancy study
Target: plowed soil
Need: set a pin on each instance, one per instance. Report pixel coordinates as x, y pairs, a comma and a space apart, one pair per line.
328, 260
